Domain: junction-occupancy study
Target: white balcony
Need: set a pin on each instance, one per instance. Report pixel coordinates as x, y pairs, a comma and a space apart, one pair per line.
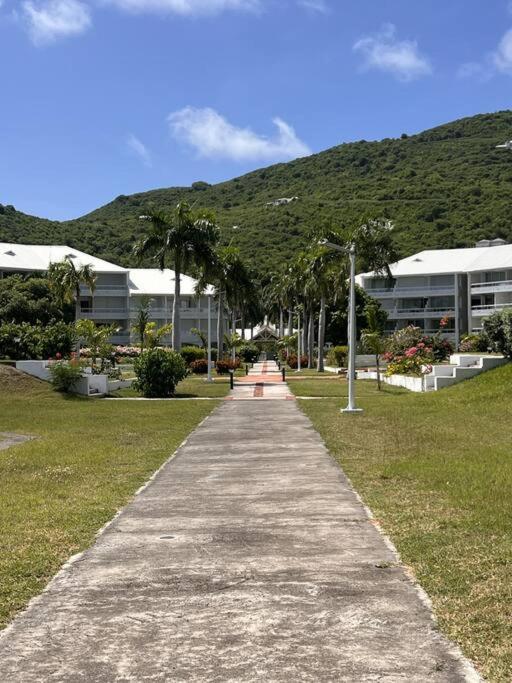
104, 313
166, 314
105, 290
401, 313
403, 292
487, 309
491, 287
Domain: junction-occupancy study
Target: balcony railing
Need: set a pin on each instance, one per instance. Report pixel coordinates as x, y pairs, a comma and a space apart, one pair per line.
421, 312
490, 287
104, 313
487, 309
397, 292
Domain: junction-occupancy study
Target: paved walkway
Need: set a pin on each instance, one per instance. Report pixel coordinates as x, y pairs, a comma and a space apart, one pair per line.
264, 381
247, 558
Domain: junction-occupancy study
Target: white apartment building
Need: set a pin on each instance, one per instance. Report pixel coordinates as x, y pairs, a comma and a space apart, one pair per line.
118, 292
465, 285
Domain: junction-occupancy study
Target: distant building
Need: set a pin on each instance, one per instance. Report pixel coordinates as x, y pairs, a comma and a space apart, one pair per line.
118, 292
282, 202
465, 285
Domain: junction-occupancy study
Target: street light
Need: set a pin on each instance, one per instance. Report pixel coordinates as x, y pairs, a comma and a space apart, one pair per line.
505, 145
351, 250
209, 377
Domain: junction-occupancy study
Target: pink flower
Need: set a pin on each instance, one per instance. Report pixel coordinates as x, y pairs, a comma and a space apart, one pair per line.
58, 356
411, 352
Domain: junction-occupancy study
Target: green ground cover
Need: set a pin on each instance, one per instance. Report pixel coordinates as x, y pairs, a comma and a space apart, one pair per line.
436, 470
88, 458
331, 386
193, 386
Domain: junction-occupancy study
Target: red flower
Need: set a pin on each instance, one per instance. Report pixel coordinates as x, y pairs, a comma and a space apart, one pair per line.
58, 356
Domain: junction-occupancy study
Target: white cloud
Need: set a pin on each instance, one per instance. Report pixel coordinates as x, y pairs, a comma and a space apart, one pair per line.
53, 19
139, 149
502, 57
213, 136
185, 7
319, 6
385, 52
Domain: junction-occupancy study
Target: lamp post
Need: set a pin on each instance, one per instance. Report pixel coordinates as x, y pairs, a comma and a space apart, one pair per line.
352, 337
298, 343
505, 145
209, 377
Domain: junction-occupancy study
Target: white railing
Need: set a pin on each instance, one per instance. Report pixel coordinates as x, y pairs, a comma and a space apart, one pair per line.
486, 309
421, 312
497, 286
402, 291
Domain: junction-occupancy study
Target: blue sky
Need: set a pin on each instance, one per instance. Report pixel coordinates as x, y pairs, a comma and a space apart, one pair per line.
106, 97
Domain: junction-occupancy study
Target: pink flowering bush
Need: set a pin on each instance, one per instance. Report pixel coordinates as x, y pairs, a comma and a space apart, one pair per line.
411, 352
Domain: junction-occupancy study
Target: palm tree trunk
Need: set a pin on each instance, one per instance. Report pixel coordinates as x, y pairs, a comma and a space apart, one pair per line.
321, 336
290, 323
220, 326
378, 370
281, 323
243, 327
176, 311
311, 339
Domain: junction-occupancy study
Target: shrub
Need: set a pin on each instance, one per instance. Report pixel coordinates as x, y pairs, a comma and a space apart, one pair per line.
293, 362
474, 343
23, 341
337, 356
249, 353
224, 366
406, 338
498, 330
199, 367
56, 338
192, 353
64, 375
158, 372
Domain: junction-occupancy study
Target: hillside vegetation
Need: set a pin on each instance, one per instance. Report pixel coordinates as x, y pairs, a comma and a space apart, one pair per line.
445, 187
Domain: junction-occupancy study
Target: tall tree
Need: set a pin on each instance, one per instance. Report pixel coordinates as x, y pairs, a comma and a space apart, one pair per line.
184, 239
66, 279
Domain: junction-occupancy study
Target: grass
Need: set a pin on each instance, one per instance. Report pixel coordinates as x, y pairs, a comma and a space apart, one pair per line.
193, 386
336, 386
436, 470
88, 458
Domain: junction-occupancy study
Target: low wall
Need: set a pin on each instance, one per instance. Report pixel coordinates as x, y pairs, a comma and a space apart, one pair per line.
406, 381
87, 385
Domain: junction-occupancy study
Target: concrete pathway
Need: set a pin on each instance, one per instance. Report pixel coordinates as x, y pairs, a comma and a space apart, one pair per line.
264, 381
247, 558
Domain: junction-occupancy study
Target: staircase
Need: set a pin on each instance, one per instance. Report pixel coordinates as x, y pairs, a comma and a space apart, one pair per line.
461, 367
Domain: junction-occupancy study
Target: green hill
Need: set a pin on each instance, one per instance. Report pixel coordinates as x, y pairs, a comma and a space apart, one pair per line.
445, 187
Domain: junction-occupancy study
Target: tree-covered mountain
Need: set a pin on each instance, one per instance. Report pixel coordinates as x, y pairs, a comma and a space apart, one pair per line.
445, 187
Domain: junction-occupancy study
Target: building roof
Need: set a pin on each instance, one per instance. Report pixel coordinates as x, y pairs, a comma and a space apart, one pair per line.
37, 257
152, 281
445, 261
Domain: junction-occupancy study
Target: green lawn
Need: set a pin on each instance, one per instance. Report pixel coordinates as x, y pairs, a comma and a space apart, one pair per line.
193, 386
436, 469
330, 386
88, 458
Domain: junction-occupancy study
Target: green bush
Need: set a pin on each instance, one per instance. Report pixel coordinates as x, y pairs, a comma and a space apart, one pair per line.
22, 341
498, 330
337, 356
474, 343
293, 362
192, 353
64, 375
158, 372
249, 353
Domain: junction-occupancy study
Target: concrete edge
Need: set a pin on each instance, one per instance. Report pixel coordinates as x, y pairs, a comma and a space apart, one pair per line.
468, 668
74, 559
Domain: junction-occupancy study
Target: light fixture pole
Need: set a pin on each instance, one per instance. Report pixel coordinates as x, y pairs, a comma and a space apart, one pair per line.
505, 145
352, 331
209, 378
298, 343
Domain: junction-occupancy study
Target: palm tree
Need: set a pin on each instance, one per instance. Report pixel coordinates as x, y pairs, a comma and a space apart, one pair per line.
185, 239
142, 319
65, 280
372, 337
